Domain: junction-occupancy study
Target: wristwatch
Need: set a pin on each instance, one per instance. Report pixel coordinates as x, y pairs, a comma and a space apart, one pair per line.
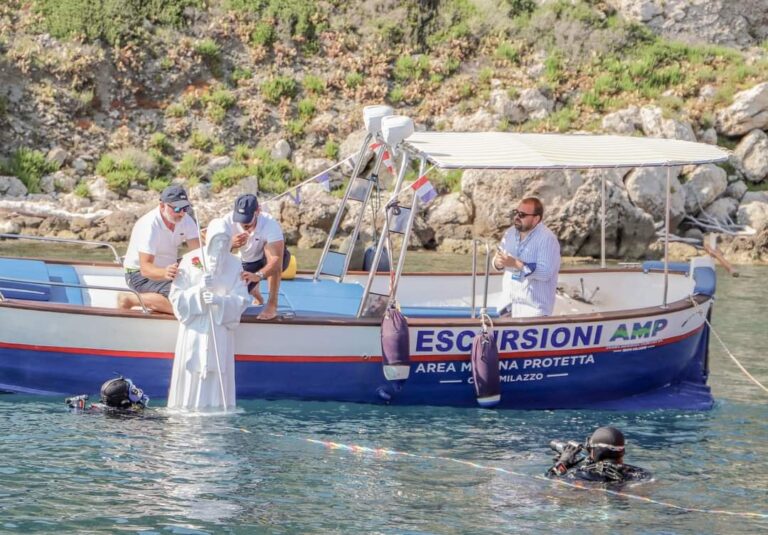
260, 274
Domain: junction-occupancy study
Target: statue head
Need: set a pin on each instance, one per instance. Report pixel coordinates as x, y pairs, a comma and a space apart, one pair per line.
218, 239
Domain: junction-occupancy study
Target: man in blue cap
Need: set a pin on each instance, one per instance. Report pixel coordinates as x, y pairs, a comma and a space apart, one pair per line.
151, 260
259, 238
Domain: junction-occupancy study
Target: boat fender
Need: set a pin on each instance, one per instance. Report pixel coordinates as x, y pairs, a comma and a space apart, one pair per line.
370, 252
395, 345
485, 370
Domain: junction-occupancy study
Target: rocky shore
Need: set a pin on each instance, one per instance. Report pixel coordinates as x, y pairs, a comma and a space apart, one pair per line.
92, 132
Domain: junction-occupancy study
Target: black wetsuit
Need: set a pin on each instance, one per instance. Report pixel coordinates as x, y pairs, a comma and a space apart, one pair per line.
603, 472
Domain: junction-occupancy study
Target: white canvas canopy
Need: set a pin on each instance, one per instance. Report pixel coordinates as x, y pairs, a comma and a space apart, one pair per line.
504, 150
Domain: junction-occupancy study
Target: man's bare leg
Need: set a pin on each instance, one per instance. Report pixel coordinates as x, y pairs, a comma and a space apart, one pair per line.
153, 301
256, 294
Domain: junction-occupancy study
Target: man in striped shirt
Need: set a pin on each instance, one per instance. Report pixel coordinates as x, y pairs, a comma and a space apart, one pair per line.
529, 254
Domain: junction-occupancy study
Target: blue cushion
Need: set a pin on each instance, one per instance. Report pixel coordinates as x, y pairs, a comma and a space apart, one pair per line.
705, 279
444, 312
676, 267
62, 294
13, 268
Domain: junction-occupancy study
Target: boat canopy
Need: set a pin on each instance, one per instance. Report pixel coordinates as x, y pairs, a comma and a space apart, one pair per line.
505, 150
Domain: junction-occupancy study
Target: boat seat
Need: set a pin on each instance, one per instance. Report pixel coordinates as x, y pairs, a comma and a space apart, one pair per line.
62, 294
14, 268
305, 297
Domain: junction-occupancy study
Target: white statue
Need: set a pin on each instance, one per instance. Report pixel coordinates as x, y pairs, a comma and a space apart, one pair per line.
208, 305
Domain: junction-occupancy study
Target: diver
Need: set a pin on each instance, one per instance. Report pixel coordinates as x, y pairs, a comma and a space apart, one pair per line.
118, 396
604, 461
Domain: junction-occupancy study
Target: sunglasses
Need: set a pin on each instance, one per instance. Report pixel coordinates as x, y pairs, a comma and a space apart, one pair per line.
178, 210
518, 213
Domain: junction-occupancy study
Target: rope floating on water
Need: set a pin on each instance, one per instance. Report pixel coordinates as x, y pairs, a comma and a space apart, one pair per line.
354, 448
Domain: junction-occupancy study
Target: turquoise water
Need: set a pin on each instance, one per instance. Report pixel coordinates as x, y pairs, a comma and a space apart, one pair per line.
258, 471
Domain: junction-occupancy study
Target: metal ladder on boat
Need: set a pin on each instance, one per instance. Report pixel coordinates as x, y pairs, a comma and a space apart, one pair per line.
334, 264
484, 308
398, 221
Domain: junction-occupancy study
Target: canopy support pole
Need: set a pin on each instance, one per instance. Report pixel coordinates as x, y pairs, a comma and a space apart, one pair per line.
666, 235
602, 223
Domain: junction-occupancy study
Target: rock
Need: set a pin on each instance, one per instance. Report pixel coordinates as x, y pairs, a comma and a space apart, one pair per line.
120, 224
318, 208
311, 237
216, 164
281, 150
753, 210
678, 252
494, 194
352, 145
80, 166
748, 112
628, 229
10, 186
450, 209
694, 233
456, 246
752, 155
9, 227
655, 125
708, 136
64, 182
624, 122
638, 10
707, 92
57, 155
100, 191
535, 104
74, 202
505, 107
736, 190
705, 184
723, 209
47, 184
199, 192
646, 187
480, 121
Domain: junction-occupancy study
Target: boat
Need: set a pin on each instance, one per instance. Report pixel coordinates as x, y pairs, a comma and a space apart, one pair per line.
622, 337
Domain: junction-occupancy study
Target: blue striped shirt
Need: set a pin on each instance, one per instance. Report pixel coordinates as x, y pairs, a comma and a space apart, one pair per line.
531, 292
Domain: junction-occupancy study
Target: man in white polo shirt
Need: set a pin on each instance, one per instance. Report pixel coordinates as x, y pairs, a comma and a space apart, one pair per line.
262, 250
151, 260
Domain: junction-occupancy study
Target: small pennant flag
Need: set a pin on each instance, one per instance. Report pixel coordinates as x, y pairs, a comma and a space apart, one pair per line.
375, 146
296, 198
388, 163
424, 190
325, 181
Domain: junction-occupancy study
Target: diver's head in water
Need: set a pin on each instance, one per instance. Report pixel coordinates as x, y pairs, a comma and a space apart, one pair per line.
121, 393
606, 444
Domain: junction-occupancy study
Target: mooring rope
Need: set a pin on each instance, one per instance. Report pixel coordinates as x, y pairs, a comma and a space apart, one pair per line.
727, 351
354, 448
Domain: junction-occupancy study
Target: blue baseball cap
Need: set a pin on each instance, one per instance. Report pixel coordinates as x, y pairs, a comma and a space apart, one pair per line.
245, 208
175, 195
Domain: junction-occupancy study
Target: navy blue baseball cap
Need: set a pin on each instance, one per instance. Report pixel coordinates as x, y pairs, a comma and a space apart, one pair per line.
175, 196
245, 208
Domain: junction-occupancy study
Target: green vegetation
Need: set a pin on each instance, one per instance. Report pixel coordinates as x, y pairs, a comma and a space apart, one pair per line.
277, 88
191, 167
82, 190
411, 68
448, 182
396, 95
200, 141
354, 79
263, 34
229, 176
307, 108
29, 166
112, 21
331, 149
159, 141
158, 184
506, 51
120, 171
314, 84
291, 19
176, 110
241, 73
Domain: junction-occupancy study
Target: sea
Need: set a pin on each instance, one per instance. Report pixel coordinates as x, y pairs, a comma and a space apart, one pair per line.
311, 467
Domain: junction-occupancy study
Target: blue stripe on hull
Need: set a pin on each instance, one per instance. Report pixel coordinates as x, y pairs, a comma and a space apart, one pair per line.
670, 376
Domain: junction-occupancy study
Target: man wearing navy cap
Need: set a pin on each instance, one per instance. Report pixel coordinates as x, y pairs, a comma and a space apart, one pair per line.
262, 249
150, 262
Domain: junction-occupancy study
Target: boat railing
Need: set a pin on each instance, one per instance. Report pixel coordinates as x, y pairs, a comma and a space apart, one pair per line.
144, 308
475, 243
118, 260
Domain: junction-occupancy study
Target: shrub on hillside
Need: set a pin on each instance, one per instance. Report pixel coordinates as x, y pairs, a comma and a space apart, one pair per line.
278, 87
29, 166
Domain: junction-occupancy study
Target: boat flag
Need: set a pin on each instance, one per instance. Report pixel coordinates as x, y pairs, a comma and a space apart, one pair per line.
388, 163
296, 198
424, 190
324, 180
375, 146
